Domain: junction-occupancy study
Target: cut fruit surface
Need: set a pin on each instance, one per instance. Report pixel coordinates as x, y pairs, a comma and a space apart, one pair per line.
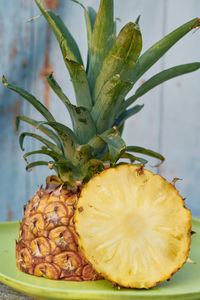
133, 226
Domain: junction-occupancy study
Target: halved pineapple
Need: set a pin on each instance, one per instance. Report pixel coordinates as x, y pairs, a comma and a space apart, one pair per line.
133, 226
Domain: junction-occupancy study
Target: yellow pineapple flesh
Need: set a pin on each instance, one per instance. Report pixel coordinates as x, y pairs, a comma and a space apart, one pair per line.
133, 226
47, 244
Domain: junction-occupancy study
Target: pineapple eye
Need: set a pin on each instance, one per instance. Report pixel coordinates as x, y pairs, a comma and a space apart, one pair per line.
36, 223
40, 247
24, 260
47, 270
68, 261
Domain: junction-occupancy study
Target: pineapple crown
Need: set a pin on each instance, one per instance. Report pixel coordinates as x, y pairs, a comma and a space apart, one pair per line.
113, 66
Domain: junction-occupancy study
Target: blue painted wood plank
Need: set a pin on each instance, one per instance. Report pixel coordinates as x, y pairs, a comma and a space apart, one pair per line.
180, 136
23, 46
15, 41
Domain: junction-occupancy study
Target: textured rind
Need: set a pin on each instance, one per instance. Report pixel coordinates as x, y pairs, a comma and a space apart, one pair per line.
104, 275
47, 244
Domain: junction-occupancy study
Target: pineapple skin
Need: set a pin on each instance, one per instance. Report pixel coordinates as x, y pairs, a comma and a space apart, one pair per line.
47, 244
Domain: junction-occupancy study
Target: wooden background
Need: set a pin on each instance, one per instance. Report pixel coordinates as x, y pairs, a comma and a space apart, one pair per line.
169, 123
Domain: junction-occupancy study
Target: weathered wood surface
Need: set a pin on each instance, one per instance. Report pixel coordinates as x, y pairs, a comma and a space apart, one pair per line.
7, 293
169, 122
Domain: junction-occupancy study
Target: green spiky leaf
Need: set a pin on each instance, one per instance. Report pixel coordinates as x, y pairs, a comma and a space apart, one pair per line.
82, 121
121, 57
116, 145
39, 138
154, 53
102, 39
89, 35
66, 41
160, 78
70, 43
80, 83
39, 125
52, 154
37, 163
145, 151
90, 17
127, 114
134, 158
137, 20
68, 138
60, 164
120, 128
70, 51
108, 103
30, 98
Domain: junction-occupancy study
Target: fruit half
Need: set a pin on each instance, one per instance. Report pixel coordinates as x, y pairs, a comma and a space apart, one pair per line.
133, 226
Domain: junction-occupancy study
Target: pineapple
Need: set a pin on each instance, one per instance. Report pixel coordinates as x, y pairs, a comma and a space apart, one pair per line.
123, 214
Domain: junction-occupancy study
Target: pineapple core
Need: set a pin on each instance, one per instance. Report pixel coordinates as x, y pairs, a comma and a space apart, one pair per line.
133, 226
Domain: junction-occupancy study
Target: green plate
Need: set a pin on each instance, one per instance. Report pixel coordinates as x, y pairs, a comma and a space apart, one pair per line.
184, 285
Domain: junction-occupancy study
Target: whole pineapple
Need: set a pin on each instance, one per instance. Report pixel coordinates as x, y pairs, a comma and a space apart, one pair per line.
48, 243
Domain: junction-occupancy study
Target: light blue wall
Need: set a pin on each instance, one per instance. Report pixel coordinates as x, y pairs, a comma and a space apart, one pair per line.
169, 123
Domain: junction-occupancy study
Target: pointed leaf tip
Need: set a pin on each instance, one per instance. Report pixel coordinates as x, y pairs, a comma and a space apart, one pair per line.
155, 52
37, 163
138, 19
4, 81
79, 3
